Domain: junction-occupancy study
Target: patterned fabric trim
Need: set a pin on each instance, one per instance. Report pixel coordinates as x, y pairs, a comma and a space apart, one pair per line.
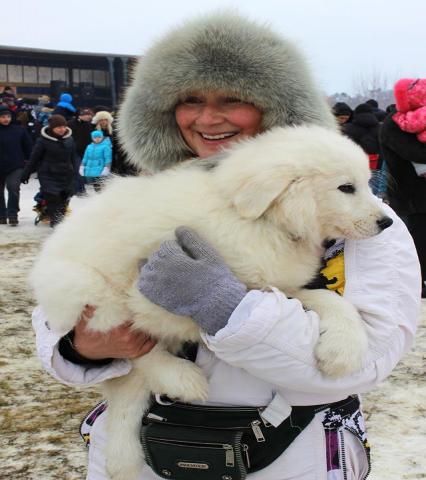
335, 420
88, 421
332, 271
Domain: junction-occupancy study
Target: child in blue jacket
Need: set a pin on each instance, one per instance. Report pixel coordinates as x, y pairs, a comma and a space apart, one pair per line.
97, 160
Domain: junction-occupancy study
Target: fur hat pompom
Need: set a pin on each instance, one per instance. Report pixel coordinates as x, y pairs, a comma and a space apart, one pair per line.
410, 94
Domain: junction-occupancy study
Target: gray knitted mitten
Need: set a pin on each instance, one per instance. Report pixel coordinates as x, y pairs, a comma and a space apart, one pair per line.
188, 277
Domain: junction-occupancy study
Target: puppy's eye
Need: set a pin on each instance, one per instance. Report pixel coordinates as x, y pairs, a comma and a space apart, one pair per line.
347, 188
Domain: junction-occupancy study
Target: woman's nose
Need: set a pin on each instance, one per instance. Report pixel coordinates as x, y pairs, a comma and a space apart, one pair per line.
210, 116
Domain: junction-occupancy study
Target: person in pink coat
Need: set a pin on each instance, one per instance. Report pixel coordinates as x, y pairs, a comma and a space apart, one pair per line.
410, 96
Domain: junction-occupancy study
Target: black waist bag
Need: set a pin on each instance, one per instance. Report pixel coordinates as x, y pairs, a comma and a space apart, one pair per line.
190, 442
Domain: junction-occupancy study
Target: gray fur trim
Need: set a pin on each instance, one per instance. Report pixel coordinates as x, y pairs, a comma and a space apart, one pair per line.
216, 52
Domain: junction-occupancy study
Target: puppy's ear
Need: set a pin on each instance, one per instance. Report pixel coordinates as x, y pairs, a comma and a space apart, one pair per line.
297, 211
255, 196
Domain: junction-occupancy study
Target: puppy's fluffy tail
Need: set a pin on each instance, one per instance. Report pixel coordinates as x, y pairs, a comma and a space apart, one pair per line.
64, 288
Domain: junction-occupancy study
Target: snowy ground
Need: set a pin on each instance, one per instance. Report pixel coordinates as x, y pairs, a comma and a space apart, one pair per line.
39, 418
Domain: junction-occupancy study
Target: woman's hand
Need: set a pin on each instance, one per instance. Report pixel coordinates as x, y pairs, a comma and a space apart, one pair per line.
120, 342
188, 277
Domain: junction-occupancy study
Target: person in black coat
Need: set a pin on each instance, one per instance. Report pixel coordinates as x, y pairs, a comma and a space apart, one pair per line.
15, 148
407, 190
364, 129
55, 160
343, 113
81, 128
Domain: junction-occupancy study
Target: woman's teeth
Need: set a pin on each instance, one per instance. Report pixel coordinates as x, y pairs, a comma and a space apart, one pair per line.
220, 136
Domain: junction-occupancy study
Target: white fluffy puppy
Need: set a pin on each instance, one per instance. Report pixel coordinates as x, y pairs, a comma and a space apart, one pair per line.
266, 205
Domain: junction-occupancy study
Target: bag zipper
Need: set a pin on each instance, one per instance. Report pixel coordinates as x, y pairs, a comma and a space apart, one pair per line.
246, 450
229, 449
367, 454
257, 431
213, 408
343, 455
254, 426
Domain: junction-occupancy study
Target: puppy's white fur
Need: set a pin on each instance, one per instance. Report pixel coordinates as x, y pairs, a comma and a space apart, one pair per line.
266, 206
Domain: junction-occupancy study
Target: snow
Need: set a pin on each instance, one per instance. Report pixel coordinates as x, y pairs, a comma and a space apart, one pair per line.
39, 417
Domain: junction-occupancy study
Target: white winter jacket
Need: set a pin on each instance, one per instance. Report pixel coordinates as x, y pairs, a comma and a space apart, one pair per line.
265, 354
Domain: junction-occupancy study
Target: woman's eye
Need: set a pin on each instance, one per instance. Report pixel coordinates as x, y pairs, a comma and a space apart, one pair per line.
232, 100
192, 100
347, 188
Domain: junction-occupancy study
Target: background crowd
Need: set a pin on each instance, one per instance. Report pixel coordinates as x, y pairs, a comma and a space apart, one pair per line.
395, 142
69, 148
73, 148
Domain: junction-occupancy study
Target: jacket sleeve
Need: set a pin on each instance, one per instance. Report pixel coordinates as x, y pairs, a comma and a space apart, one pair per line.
273, 338
26, 144
35, 158
412, 122
63, 370
75, 158
107, 156
85, 156
410, 151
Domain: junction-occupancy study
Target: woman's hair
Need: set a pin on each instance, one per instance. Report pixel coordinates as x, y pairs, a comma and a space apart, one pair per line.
217, 52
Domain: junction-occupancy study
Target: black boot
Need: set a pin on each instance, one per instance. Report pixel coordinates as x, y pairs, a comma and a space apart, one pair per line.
13, 221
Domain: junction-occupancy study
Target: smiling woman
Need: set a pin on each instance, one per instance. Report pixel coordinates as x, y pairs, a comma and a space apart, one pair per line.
210, 121
204, 85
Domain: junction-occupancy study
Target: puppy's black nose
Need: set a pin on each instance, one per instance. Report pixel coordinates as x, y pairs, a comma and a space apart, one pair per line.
384, 223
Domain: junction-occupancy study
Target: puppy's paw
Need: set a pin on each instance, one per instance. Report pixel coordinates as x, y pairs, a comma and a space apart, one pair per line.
188, 383
126, 466
341, 352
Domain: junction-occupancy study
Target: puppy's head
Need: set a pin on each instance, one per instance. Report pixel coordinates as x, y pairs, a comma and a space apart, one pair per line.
310, 181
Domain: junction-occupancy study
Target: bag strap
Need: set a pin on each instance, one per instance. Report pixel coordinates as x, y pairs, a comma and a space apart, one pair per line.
277, 411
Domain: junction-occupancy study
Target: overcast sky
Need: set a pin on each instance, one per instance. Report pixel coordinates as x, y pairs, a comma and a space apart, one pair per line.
343, 39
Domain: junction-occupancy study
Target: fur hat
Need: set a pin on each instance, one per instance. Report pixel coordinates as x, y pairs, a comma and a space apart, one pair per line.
341, 108
217, 52
103, 115
57, 121
410, 94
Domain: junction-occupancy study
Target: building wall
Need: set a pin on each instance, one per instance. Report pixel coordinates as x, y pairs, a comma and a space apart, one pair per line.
87, 77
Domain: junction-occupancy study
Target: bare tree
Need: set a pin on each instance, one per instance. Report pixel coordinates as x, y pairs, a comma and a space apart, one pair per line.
375, 84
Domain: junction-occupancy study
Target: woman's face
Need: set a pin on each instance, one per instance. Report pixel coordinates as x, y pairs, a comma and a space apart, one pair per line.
59, 131
103, 123
209, 121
